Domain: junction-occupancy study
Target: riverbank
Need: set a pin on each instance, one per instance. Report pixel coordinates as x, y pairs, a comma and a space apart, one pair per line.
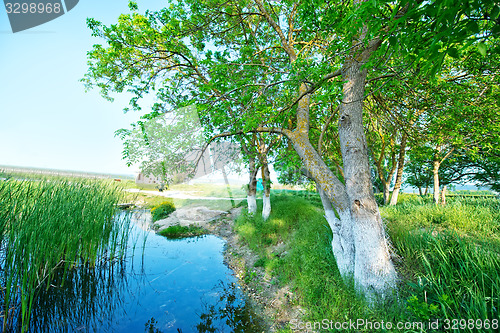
276, 305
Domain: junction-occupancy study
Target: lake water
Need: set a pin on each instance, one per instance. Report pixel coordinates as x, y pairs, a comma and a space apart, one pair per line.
163, 286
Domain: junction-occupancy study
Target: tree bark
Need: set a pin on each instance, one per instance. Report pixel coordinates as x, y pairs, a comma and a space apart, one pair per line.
399, 174
342, 240
252, 186
374, 272
443, 195
435, 173
387, 191
336, 198
266, 183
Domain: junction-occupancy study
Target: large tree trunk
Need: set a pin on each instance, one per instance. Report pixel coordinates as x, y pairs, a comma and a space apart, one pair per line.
435, 173
266, 183
399, 174
374, 271
361, 246
333, 190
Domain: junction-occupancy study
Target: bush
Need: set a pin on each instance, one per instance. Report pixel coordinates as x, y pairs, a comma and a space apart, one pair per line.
179, 231
162, 210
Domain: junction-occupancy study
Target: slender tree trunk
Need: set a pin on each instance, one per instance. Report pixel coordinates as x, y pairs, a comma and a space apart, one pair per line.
399, 175
419, 191
385, 176
426, 190
252, 186
435, 170
443, 196
435, 173
387, 191
266, 183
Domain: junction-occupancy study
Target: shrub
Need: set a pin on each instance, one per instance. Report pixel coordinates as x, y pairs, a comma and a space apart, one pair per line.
162, 210
179, 231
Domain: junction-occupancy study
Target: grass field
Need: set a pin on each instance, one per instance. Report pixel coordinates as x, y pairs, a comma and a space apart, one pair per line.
448, 260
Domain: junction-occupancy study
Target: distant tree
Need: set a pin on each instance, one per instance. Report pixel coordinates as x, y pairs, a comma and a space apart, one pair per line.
488, 172
162, 145
418, 172
464, 119
172, 145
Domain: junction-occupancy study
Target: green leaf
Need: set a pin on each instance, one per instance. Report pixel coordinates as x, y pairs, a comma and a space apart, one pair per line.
481, 47
494, 12
453, 52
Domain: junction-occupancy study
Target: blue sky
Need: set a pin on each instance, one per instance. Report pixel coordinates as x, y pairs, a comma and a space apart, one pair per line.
46, 118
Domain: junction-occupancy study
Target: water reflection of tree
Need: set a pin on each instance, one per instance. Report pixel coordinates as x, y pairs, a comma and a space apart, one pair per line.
150, 326
228, 311
81, 299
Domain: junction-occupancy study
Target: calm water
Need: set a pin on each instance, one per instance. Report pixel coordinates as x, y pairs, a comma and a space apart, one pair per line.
163, 286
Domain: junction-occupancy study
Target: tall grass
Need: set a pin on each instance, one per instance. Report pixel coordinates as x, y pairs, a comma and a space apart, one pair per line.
49, 227
450, 257
448, 260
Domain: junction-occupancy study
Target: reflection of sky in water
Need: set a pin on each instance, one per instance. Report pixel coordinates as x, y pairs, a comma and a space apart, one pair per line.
174, 285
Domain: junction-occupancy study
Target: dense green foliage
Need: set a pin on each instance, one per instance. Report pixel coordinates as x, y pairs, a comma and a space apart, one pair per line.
48, 227
448, 259
163, 210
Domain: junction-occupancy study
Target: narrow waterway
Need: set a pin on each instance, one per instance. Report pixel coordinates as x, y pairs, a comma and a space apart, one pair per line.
163, 286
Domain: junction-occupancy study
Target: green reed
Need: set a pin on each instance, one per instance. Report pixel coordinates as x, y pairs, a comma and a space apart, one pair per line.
48, 226
450, 258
